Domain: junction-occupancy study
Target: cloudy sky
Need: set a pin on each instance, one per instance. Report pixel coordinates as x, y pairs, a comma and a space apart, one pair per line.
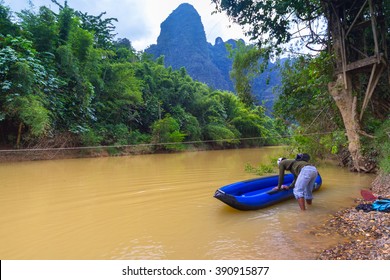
139, 20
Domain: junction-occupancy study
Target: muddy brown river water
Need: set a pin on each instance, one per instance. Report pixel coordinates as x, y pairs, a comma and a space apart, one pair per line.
158, 206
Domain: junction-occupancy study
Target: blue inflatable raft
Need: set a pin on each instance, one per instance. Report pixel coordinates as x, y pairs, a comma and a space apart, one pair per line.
257, 193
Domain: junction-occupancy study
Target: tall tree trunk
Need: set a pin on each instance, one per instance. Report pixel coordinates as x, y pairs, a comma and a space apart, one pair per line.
341, 90
346, 103
19, 135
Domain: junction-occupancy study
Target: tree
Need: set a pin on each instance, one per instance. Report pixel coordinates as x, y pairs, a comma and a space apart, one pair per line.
167, 133
274, 23
101, 28
304, 99
6, 24
118, 101
81, 42
65, 22
42, 29
57, 75
357, 51
23, 80
124, 50
187, 123
245, 66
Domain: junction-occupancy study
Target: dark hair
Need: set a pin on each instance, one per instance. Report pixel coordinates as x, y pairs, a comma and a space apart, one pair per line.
302, 157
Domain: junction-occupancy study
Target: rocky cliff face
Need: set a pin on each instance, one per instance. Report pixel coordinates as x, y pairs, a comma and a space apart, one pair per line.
182, 41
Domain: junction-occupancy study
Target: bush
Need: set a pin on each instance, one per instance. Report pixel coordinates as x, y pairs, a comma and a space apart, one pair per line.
220, 134
90, 138
136, 137
384, 162
382, 142
263, 168
167, 133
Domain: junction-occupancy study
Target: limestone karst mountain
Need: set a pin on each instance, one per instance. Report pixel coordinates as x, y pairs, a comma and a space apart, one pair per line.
182, 42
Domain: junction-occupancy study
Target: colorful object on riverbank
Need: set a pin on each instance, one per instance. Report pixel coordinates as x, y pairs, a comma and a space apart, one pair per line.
258, 193
369, 196
381, 205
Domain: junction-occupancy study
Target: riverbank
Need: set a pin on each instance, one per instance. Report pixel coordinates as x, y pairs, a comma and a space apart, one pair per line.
71, 150
368, 233
42, 153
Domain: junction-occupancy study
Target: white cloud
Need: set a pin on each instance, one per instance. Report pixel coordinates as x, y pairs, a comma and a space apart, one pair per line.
139, 21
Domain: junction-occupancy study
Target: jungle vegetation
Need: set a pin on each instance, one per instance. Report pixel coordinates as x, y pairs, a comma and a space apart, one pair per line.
340, 92
66, 82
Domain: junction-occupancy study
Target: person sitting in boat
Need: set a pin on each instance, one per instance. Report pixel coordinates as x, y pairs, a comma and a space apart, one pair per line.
305, 175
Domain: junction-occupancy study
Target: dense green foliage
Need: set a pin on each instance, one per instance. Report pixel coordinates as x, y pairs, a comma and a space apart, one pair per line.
382, 136
305, 102
273, 23
65, 74
245, 69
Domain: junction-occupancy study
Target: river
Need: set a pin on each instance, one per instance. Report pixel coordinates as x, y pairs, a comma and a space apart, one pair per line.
159, 206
